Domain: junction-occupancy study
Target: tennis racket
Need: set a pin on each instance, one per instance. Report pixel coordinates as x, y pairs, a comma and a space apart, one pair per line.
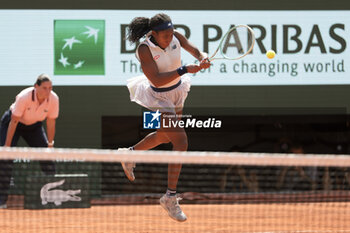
237, 43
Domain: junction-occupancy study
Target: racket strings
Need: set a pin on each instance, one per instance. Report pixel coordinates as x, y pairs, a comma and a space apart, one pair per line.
235, 44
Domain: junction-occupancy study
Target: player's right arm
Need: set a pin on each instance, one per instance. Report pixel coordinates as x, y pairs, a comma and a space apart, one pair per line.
150, 68
11, 130
192, 49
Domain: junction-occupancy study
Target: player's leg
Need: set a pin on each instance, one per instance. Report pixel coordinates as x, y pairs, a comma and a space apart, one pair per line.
169, 201
150, 141
178, 138
36, 137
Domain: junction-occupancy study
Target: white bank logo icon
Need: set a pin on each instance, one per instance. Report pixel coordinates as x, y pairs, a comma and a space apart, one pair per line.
57, 196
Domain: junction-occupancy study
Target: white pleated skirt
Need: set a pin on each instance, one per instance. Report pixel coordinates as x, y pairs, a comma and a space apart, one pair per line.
168, 101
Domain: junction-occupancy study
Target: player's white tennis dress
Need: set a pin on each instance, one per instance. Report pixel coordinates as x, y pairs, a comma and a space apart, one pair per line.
167, 60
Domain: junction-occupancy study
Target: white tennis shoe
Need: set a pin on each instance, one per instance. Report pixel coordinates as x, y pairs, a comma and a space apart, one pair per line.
171, 205
3, 206
128, 167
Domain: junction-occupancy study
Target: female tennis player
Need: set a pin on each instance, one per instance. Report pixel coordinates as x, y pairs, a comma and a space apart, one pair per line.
164, 87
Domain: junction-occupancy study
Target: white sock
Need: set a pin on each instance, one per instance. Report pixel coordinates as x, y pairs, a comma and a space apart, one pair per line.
170, 193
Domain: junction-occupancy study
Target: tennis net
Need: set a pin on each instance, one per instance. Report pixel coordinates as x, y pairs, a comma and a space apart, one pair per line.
86, 190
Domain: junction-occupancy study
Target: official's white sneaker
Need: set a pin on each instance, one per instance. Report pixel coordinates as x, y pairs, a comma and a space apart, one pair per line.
128, 167
3, 206
171, 205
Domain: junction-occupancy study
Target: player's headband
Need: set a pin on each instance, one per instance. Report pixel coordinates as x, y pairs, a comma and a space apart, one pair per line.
163, 26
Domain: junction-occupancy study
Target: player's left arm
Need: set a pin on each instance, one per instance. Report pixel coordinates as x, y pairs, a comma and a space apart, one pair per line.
193, 50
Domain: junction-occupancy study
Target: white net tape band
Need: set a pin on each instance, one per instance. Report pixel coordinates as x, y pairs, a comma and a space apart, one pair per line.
193, 157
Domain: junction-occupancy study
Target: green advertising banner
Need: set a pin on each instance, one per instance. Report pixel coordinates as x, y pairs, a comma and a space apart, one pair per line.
79, 47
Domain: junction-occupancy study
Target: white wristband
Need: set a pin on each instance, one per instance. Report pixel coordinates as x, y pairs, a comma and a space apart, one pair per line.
51, 143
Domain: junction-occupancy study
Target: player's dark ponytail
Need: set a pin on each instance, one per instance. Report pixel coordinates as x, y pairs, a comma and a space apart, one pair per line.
140, 26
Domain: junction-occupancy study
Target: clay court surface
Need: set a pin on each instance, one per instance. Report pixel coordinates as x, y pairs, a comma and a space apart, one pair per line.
267, 218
